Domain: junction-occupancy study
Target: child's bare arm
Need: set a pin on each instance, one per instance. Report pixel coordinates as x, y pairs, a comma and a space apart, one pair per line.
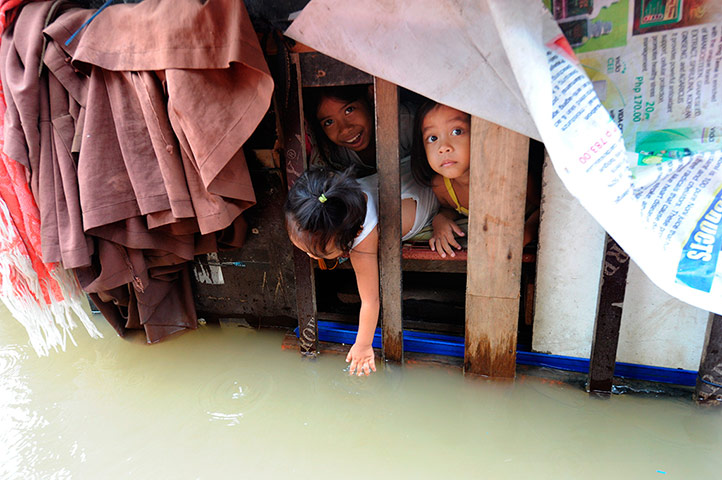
364, 259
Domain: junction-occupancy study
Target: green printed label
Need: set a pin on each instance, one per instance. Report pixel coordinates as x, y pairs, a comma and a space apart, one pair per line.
571, 8
658, 146
660, 12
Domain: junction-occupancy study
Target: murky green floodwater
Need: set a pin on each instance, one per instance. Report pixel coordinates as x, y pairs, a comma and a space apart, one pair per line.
228, 402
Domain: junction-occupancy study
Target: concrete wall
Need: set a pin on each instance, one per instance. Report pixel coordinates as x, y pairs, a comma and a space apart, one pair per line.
569, 263
656, 330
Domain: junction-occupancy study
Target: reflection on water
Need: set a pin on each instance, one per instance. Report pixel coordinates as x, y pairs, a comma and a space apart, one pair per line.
227, 402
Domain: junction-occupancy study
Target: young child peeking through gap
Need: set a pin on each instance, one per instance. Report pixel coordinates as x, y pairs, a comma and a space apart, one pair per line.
440, 157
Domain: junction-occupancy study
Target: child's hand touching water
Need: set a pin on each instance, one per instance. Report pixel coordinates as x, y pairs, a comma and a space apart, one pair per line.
362, 359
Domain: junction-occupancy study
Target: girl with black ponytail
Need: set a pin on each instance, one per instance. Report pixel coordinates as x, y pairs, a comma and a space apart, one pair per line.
330, 214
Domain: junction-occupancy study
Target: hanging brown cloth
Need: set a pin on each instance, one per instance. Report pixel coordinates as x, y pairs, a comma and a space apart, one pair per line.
138, 163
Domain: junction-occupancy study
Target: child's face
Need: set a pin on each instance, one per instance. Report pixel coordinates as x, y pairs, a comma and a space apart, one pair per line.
445, 132
348, 124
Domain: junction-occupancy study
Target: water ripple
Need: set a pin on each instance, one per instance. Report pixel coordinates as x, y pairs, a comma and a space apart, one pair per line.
10, 358
228, 399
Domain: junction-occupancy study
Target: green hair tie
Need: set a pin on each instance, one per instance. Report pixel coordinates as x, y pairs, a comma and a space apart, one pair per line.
322, 198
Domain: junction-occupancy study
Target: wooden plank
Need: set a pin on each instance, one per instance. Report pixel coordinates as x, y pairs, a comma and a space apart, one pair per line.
430, 262
425, 253
414, 265
609, 318
409, 324
318, 70
708, 391
529, 304
296, 163
294, 145
415, 258
306, 303
417, 265
490, 336
499, 160
387, 161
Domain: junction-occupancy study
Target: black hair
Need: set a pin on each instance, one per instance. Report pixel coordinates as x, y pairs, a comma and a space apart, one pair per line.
420, 168
325, 207
312, 97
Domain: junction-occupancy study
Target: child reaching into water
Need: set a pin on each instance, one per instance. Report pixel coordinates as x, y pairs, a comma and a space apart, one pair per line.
329, 214
440, 158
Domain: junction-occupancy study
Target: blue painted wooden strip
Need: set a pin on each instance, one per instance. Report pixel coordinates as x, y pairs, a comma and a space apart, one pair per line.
453, 346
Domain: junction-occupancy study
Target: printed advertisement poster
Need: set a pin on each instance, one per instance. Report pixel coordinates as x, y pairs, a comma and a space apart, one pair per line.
655, 65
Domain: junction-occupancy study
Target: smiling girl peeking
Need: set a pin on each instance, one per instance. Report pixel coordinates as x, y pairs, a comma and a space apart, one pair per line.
342, 120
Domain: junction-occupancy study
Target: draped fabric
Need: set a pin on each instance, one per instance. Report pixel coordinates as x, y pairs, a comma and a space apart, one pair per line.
44, 298
132, 134
8, 11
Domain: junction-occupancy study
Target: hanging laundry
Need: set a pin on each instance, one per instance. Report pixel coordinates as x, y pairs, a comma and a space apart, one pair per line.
42, 297
133, 136
8, 11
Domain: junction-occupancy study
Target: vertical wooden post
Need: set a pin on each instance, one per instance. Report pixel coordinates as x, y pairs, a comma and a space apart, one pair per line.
609, 318
708, 391
499, 159
387, 161
296, 163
